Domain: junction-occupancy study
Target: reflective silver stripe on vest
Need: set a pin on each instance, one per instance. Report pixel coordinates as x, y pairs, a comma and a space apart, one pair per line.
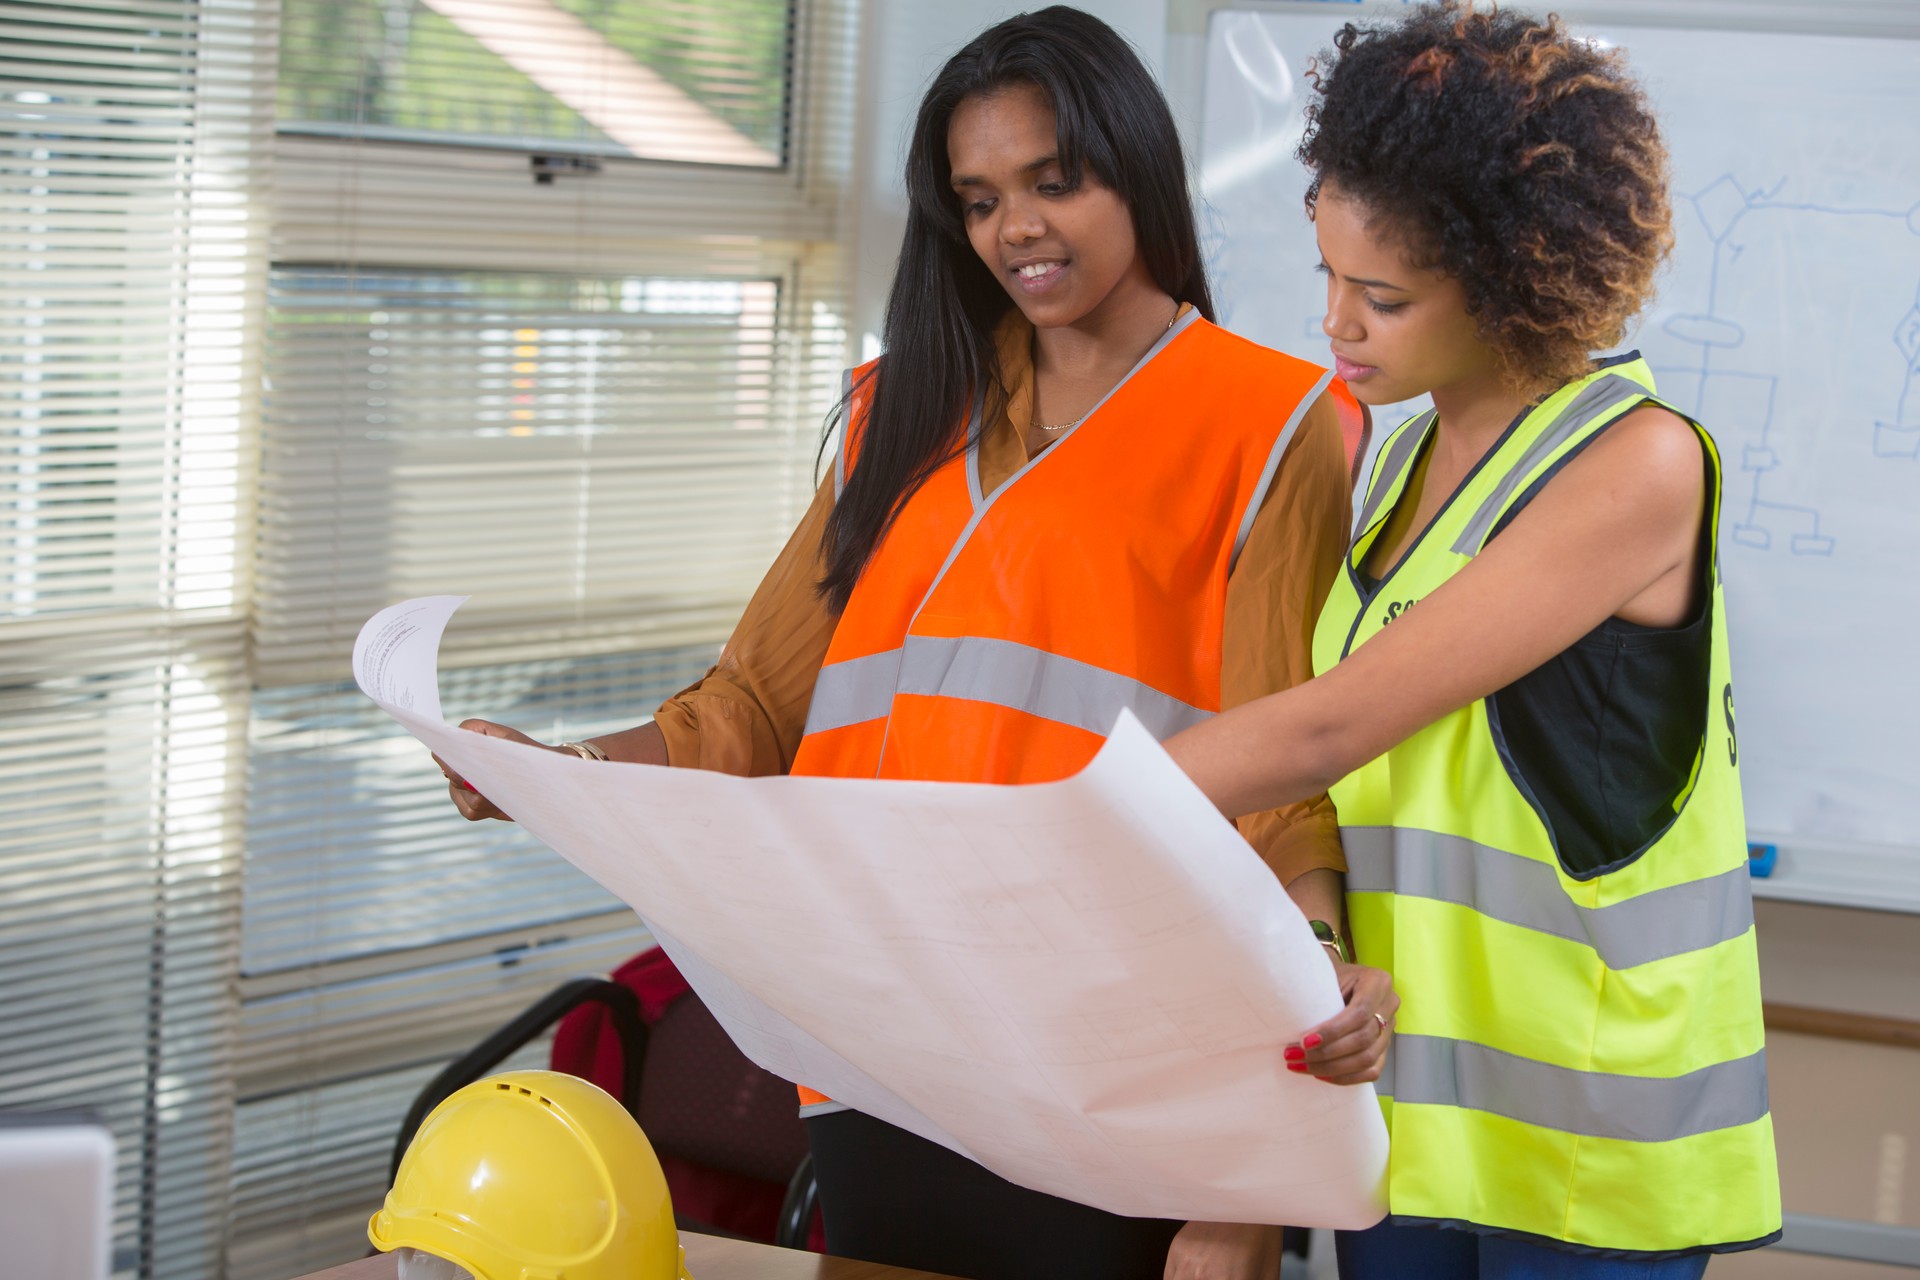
854, 691
1519, 891
1595, 399
1001, 672
974, 492
1400, 452
1267, 472
1597, 1104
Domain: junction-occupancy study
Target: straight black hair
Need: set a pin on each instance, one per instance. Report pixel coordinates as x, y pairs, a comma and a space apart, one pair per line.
1110, 121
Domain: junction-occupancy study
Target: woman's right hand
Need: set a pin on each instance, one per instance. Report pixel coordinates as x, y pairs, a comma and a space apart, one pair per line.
1351, 1046
472, 805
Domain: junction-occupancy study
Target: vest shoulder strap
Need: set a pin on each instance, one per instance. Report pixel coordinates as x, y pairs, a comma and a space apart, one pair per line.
856, 394
1281, 442
1390, 467
1598, 400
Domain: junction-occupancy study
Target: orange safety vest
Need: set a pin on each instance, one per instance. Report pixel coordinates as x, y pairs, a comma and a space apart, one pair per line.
995, 637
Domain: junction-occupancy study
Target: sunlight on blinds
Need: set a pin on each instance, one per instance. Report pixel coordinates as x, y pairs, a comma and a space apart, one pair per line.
607, 453
327, 762
131, 292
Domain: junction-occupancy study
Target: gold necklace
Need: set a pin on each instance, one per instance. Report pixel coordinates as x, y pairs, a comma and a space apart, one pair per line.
1068, 426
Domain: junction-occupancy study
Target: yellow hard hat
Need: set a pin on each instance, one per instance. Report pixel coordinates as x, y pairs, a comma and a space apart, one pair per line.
533, 1175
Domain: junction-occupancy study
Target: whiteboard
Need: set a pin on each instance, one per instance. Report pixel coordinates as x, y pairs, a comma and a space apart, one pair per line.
1788, 322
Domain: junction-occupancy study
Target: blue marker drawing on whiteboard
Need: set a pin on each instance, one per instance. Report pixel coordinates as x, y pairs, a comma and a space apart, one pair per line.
1733, 396
1900, 438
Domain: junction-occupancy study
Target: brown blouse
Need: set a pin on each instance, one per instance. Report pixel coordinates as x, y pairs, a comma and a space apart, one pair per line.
747, 715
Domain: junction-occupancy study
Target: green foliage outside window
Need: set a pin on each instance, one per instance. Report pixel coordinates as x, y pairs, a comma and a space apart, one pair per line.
397, 67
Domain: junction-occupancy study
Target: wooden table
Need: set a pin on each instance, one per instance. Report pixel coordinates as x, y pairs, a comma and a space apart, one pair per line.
708, 1258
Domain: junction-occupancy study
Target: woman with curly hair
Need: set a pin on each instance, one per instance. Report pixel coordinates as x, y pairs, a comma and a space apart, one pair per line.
1522, 703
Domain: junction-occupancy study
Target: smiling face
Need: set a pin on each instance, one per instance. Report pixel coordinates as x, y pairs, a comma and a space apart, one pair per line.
1399, 330
1065, 255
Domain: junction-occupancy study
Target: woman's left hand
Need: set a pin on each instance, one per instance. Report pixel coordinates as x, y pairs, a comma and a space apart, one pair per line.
1351, 1046
1224, 1251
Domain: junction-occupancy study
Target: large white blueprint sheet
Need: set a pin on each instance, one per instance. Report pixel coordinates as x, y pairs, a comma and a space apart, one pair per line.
1082, 985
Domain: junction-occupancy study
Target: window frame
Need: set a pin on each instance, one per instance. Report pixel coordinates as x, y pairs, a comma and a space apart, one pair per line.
801, 202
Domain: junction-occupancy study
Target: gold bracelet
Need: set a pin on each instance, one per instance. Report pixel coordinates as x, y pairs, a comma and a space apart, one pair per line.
585, 750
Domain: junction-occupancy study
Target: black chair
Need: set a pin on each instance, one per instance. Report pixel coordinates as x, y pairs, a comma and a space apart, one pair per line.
696, 1096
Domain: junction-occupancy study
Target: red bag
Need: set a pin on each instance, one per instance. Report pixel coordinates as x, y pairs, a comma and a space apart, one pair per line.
585, 1045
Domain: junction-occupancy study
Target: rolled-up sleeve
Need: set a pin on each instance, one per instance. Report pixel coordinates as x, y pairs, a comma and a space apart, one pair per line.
747, 714
1274, 596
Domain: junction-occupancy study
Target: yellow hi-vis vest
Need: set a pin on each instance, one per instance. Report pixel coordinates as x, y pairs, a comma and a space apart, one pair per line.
1577, 1059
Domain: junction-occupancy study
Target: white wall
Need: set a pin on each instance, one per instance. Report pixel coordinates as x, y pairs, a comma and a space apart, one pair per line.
903, 43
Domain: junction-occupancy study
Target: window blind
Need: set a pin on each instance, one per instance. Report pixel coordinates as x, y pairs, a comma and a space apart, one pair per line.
592, 403
326, 761
597, 459
118, 889
130, 264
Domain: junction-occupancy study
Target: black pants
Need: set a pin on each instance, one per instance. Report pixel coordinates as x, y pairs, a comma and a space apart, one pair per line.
889, 1196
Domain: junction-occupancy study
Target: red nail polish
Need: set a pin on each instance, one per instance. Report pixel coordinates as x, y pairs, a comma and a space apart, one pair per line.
469, 786
1311, 1040
1300, 1067
1293, 1053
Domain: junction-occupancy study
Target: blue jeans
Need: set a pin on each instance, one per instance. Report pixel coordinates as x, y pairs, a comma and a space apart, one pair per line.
1389, 1252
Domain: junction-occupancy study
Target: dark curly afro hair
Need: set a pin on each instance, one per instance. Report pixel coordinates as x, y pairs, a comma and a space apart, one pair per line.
1513, 157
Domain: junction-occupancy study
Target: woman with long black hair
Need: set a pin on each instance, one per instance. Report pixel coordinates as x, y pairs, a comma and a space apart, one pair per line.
1060, 493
